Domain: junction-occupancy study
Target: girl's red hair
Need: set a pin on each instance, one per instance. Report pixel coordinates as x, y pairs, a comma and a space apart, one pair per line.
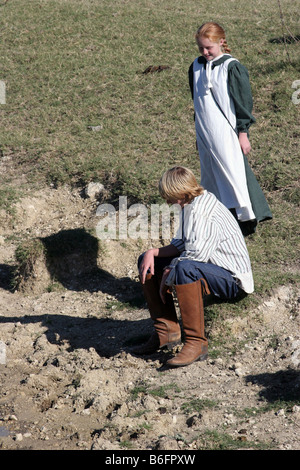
214, 32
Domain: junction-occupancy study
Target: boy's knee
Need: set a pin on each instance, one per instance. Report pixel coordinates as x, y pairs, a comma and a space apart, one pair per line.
183, 274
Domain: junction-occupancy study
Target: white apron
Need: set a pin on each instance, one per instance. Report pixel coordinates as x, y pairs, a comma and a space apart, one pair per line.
221, 158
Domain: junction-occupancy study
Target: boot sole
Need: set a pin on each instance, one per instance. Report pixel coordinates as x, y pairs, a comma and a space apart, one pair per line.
202, 357
147, 352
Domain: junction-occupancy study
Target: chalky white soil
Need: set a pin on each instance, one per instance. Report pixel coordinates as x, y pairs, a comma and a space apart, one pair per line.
69, 381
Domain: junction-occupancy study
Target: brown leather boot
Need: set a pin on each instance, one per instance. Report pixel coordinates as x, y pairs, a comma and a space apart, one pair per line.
190, 300
167, 332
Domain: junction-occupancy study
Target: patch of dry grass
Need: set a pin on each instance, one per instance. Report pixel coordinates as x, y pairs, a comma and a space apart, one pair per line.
69, 65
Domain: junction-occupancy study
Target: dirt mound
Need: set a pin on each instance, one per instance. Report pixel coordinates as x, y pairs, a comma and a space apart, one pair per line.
70, 381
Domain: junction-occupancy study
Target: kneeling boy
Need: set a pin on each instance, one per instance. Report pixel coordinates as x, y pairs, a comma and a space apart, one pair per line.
207, 255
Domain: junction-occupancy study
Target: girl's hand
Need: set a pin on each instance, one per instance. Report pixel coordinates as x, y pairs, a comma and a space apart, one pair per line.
244, 143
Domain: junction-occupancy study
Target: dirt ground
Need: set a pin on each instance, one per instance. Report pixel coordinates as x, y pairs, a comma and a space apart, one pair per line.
70, 382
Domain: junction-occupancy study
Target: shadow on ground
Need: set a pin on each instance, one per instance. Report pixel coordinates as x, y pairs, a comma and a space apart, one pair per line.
70, 258
283, 385
107, 336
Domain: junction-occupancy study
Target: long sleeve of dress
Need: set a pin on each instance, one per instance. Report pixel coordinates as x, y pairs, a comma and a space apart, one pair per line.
240, 91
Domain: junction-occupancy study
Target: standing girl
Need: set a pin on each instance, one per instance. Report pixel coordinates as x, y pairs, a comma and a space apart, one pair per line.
223, 114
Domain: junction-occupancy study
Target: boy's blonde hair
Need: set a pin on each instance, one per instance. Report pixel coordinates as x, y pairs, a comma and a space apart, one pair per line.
179, 183
214, 32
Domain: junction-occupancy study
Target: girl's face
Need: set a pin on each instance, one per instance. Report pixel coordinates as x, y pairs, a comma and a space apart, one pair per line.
210, 50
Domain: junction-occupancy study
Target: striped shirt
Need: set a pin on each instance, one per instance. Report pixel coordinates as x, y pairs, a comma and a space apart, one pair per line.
209, 233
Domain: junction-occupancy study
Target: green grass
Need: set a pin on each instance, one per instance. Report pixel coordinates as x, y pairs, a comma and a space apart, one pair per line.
214, 440
68, 65
160, 392
198, 405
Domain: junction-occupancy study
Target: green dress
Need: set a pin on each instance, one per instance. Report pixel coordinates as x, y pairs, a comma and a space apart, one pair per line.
223, 100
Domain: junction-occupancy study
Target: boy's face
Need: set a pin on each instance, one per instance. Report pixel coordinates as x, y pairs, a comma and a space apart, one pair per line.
181, 202
210, 50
